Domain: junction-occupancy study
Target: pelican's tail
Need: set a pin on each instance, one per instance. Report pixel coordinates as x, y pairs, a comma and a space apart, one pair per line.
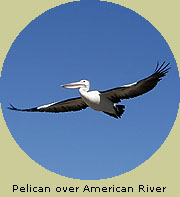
119, 109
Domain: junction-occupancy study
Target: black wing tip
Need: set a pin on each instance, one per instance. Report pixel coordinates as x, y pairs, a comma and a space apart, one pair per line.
163, 69
11, 107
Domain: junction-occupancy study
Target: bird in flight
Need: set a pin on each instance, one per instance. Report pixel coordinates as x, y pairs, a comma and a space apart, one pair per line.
105, 101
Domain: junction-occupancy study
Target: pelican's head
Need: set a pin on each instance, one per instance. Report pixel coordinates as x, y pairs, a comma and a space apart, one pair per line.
83, 84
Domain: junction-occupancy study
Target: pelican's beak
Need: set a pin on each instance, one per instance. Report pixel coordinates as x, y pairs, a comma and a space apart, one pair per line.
73, 85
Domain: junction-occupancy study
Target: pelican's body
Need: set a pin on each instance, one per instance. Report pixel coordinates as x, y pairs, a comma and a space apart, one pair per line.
92, 99
95, 99
97, 102
105, 101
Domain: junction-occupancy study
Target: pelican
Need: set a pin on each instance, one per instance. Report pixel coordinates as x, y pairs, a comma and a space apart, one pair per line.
105, 101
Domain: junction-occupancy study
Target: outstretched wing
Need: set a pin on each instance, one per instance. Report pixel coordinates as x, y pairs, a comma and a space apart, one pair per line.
137, 88
74, 104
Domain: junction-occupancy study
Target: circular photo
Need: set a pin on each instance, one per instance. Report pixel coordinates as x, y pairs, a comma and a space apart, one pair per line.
90, 90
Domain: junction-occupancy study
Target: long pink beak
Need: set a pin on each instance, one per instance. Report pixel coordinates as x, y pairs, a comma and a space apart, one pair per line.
73, 85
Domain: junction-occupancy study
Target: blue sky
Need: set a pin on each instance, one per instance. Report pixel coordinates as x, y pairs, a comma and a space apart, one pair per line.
110, 46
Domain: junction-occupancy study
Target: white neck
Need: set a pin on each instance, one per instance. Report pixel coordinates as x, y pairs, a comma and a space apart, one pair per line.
84, 89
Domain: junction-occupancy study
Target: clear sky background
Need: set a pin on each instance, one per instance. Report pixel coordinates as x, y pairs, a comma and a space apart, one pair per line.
110, 46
